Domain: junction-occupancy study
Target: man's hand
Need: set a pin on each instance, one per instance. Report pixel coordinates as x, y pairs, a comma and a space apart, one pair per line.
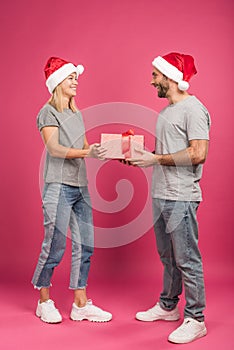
145, 159
96, 151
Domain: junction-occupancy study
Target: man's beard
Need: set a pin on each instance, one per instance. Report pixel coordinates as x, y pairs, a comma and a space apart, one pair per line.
162, 90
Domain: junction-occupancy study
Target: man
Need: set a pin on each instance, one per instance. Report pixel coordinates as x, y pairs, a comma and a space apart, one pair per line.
182, 135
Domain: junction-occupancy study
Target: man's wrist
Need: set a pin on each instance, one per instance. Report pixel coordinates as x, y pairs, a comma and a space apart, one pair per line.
157, 158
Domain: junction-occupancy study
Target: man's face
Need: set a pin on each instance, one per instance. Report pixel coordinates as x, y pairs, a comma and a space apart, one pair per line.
160, 82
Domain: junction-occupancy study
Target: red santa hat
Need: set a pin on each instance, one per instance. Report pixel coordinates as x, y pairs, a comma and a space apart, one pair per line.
57, 69
178, 67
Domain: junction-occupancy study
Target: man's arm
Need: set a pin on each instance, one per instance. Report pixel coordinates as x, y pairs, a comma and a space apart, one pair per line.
193, 155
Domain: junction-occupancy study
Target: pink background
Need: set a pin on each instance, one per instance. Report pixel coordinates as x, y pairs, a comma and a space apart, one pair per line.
116, 41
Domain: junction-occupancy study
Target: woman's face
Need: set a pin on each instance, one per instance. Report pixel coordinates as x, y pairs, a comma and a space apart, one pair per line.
69, 85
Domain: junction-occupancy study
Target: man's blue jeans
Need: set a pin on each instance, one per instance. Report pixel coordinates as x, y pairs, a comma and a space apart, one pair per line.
65, 206
176, 232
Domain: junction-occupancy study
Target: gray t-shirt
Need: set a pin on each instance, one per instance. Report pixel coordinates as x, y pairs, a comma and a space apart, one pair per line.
178, 124
71, 134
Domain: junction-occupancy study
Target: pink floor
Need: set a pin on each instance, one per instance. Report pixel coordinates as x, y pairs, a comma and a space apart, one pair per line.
21, 330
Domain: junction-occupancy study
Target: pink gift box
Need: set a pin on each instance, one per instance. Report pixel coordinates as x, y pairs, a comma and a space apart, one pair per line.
122, 146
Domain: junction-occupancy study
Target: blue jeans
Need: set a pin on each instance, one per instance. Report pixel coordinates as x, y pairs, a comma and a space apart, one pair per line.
176, 231
65, 206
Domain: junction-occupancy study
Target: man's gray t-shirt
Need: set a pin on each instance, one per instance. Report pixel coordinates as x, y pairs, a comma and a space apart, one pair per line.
178, 124
71, 134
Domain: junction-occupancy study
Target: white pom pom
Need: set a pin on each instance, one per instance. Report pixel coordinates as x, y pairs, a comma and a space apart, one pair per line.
183, 85
80, 69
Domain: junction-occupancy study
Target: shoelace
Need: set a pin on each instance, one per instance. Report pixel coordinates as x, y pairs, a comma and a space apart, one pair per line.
187, 324
51, 307
152, 310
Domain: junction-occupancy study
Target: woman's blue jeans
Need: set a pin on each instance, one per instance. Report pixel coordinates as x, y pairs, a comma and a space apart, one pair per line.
65, 206
176, 231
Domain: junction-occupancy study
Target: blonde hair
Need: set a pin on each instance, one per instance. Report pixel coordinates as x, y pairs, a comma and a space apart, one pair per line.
56, 100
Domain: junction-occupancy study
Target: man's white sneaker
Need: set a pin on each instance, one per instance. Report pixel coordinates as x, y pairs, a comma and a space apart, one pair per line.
157, 313
89, 312
48, 312
189, 330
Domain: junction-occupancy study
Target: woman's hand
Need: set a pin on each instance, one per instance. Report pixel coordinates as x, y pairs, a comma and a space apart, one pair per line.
96, 151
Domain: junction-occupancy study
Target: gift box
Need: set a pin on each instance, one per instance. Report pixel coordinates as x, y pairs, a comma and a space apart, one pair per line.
122, 146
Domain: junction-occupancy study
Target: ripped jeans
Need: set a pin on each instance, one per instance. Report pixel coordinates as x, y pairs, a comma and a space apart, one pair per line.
65, 206
176, 231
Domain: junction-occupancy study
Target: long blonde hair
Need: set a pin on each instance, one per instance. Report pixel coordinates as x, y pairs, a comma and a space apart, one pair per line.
56, 100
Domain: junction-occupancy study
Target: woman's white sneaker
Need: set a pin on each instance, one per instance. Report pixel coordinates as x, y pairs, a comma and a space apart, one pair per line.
157, 313
89, 312
48, 312
190, 330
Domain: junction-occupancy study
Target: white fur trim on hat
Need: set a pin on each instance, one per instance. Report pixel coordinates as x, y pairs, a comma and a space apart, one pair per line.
62, 73
171, 72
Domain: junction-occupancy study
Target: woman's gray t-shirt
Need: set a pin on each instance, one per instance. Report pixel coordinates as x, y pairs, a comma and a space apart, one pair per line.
178, 124
71, 134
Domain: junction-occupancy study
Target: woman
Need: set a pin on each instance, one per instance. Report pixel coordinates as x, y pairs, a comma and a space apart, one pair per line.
66, 200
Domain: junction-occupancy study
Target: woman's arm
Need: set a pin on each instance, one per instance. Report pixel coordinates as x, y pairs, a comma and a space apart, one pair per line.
86, 144
50, 135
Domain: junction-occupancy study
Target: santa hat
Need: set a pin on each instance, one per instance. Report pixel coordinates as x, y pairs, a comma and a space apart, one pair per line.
176, 66
57, 69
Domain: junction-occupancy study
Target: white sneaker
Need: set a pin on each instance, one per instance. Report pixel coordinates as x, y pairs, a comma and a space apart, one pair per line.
48, 312
190, 330
89, 312
157, 313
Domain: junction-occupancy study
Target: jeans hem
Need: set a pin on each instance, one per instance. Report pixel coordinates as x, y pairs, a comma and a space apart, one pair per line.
167, 309
39, 288
75, 288
199, 319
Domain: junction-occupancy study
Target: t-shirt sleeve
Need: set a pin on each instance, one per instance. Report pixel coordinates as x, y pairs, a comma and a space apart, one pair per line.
198, 124
46, 118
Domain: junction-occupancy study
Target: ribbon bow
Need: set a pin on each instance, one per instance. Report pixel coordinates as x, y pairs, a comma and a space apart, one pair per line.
130, 132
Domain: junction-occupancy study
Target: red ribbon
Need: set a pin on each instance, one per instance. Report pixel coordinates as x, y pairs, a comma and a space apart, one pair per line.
130, 132
126, 143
